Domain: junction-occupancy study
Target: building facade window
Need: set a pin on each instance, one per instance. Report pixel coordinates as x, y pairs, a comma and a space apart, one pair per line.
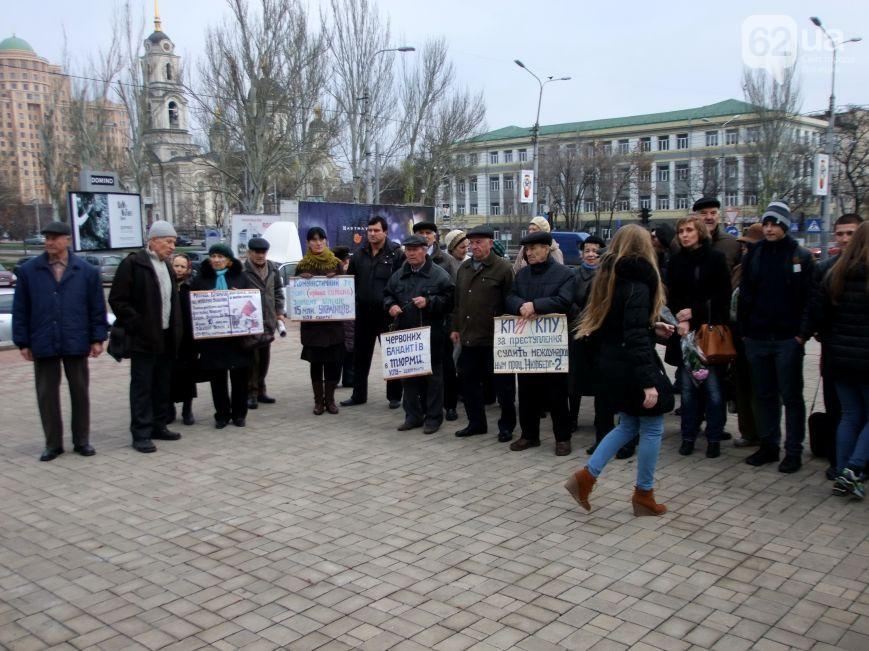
472, 159
460, 160
495, 209
663, 143
731, 137
663, 175
460, 210
523, 155
473, 184
730, 199
646, 144
607, 148
645, 176
663, 202
173, 115
624, 146
508, 182
711, 138
681, 141
623, 204
752, 134
460, 186
681, 171
645, 201
473, 209
494, 183
508, 156
493, 158
681, 202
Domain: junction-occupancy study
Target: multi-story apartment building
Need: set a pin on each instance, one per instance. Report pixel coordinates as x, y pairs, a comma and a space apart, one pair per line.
29, 86
659, 161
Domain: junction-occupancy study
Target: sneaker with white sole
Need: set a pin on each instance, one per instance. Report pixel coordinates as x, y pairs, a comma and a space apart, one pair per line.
851, 482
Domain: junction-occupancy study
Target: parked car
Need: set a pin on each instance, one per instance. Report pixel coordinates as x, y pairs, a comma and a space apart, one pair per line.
35, 240
183, 240
107, 264
21, 261
7, 278
196, 258
287, 270
6, 316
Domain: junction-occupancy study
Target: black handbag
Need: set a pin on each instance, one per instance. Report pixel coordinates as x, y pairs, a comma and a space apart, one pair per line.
252, 342
666, 398
119, 343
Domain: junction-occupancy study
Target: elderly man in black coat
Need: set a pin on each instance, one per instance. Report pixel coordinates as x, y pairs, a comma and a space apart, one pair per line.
543, 287
419, 294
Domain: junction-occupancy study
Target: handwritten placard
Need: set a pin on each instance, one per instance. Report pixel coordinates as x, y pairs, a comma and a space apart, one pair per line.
531, 345
226, 313
322, 299
406, 353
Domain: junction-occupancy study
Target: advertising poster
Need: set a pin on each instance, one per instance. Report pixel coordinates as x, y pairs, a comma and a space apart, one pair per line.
102, 221
345, 223
322, 299
226, 313
244, 227
821, 176
406, 353
526, 186
531, 345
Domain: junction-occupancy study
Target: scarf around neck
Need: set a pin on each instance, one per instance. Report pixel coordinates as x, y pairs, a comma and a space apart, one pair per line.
322, 262
220, 283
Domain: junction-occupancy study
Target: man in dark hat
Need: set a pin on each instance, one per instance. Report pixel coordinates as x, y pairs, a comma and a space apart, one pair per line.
420, 294
429, 231
55, 288
774, 321
263, 274
483, 283
709, 210
542, 287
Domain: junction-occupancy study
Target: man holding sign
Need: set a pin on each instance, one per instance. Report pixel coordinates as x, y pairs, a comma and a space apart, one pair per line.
419, 294
544, 287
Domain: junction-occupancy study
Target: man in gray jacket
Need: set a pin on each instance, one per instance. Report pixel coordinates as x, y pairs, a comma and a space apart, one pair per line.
263, 274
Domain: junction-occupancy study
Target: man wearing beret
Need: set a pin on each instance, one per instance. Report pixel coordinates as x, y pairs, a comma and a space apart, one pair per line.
482, 285
144, 298
542, 287
419, 294
709, 210
429, 231
773, 316
263, 274
59, 318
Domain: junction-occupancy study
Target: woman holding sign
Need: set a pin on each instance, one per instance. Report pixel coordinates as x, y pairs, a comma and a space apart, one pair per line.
221, 355
322, 341
620, 320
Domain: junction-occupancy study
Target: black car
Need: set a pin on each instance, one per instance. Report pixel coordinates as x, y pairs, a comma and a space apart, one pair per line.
196, 258
183, 240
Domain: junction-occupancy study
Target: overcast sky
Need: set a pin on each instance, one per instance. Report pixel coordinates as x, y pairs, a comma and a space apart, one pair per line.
625, 58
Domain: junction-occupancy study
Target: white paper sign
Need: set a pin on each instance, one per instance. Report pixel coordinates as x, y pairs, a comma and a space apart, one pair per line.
322, 299
226, 313
406, 353
531, 345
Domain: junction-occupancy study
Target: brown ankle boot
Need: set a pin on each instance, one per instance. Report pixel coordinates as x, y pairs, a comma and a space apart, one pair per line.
644, 503
329, 398
580, 485
319, 406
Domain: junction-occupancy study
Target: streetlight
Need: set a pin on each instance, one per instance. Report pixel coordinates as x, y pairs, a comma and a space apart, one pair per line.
367, 125
35, 203
541, 83
829, 146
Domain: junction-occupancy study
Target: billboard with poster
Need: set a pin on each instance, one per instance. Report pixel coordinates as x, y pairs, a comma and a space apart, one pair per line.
102, 221
345, 223
244, 227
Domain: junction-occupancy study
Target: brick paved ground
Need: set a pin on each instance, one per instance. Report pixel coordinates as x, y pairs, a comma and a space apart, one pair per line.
338, 532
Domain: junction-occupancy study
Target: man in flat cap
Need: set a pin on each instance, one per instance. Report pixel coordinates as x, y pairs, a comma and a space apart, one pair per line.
542, 287
59, 318
144, 298
709, 210
263, 274
419, 294
483, 283
429, 231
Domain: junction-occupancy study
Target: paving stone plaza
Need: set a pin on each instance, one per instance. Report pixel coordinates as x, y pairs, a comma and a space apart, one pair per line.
338, 532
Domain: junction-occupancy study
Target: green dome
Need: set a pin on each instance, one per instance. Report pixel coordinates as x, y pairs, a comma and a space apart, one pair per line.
15, 43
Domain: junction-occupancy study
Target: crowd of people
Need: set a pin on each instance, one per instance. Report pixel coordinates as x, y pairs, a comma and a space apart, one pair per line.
761, 293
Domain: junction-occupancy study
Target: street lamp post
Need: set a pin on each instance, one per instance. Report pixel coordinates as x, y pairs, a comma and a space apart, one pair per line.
367, 126
36, 207
536, 136
829, 145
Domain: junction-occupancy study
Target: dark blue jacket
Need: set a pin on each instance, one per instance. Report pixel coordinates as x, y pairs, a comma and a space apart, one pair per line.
63, 318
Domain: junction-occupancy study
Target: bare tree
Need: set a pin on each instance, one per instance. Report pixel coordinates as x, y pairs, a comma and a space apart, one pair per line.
263, 74
52, 153
852, 154
567, 178
782, 160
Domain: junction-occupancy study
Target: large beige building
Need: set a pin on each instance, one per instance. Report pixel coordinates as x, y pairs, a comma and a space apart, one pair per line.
29, 86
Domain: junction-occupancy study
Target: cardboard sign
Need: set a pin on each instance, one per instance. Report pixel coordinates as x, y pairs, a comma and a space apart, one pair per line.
406, 353
531, 345
226, 313
322, 299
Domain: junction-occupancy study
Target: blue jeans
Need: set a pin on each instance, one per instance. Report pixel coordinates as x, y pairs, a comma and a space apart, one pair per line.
777, 376
852, 436
650, 429
709, 392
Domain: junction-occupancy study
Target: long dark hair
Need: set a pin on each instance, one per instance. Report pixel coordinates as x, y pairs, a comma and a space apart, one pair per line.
854, 258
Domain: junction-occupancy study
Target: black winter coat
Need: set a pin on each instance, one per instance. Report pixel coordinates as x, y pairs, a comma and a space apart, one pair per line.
627, 359
431, 282
846, 328
135, 299
372, 273
221, 352
549, 285
700, 280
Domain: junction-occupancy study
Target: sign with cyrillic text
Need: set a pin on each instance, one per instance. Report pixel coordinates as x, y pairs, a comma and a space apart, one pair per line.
226, 313
406, 353
322, 299
536, 345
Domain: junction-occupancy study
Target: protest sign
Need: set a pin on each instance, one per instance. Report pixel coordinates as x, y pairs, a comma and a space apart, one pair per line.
322, 299
226, 313
406, 353
536, 345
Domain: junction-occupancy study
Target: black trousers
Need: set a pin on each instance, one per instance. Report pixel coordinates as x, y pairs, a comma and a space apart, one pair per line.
423, 399
225, 407
476, 369
451, 382
150, 393
368, 329
47, 374
543, 391
256, 385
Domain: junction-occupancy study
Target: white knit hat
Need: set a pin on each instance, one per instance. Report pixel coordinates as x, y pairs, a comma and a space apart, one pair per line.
161, 228
541, 223
454, 238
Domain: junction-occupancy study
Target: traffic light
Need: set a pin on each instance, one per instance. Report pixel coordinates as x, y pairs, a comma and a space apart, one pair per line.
645, 216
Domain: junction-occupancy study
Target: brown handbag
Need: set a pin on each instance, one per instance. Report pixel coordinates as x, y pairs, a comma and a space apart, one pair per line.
716, 342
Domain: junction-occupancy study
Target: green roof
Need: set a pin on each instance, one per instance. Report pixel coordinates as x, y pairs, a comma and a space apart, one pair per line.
15, 43
719, 109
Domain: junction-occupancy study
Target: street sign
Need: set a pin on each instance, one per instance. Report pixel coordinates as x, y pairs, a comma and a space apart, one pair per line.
733, 230
813, 226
